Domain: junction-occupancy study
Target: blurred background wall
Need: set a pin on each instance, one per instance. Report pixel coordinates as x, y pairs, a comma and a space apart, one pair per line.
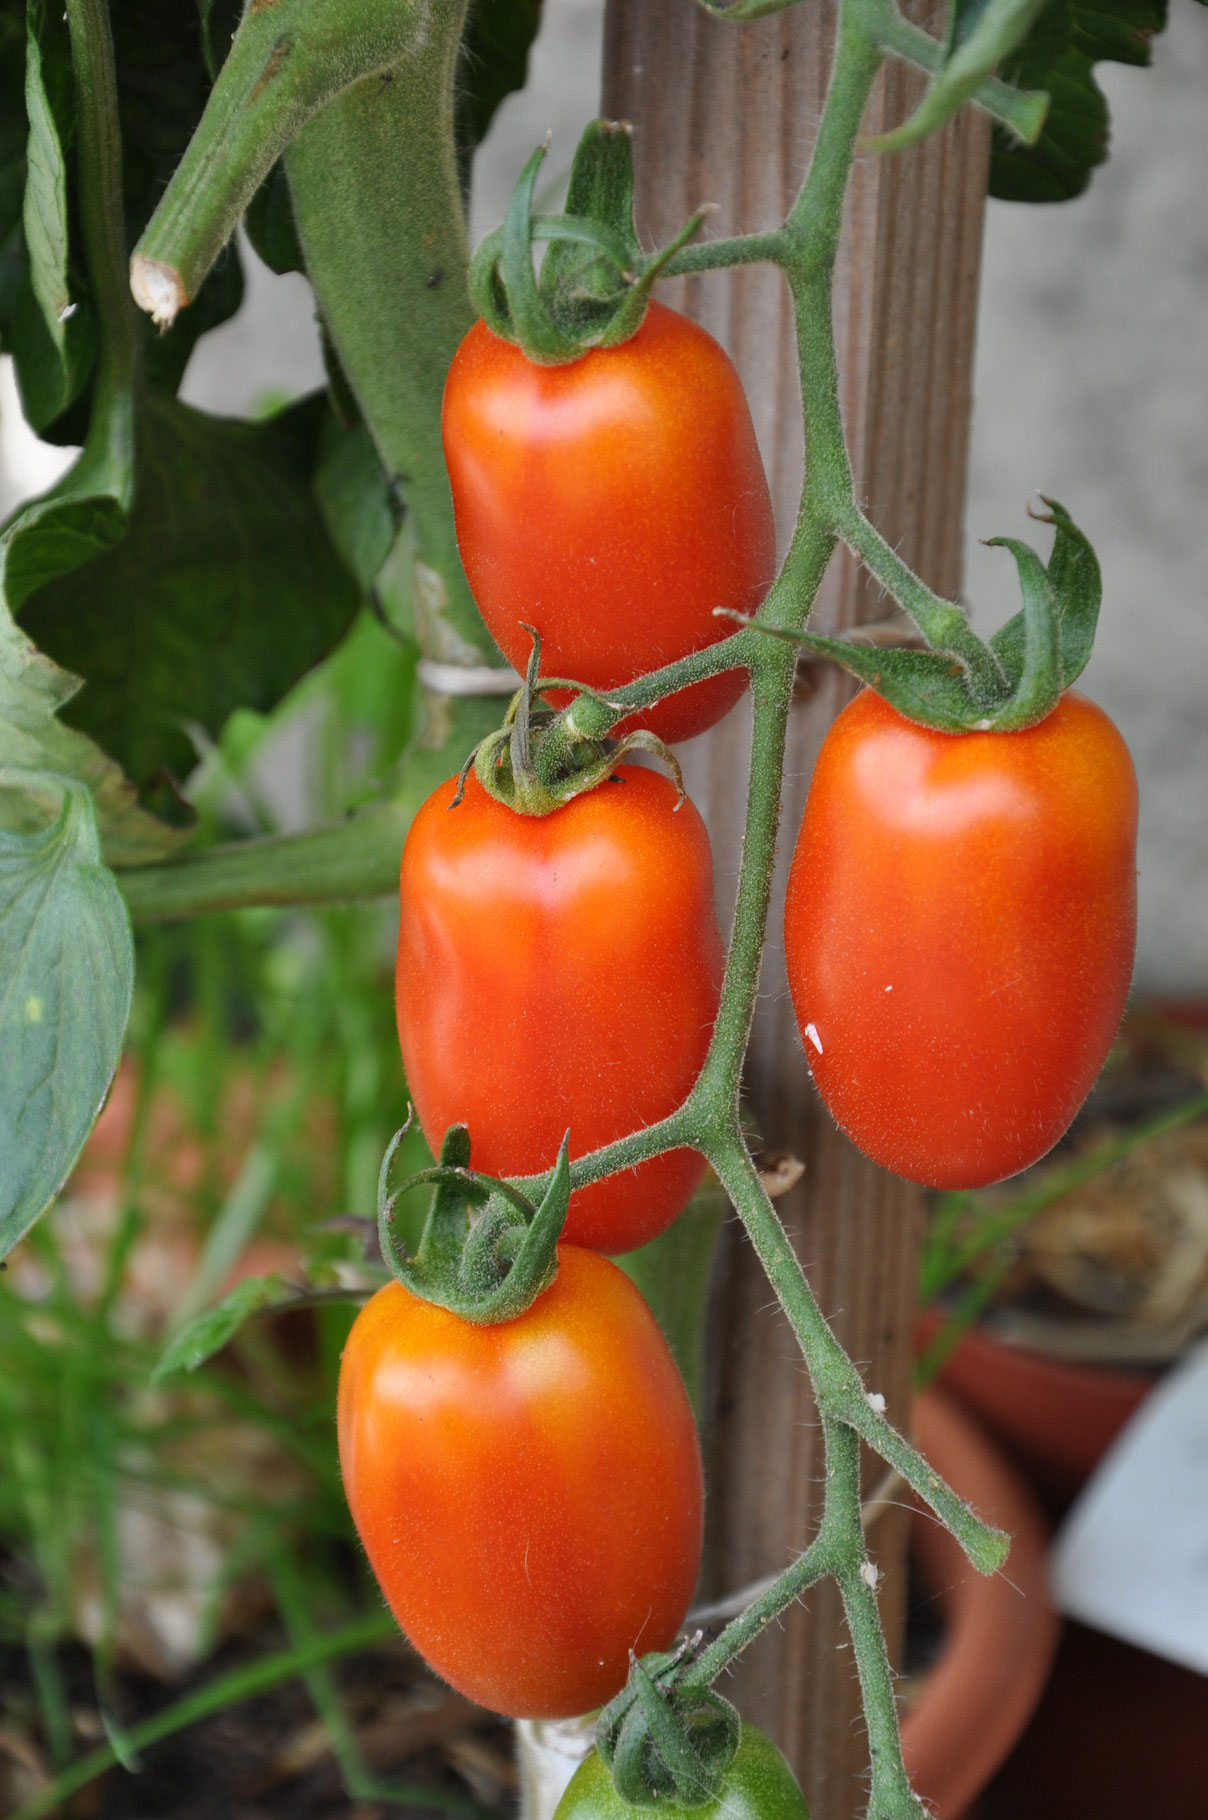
1091, 384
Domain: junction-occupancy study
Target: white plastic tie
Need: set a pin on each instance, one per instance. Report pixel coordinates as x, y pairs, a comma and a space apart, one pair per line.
467, 679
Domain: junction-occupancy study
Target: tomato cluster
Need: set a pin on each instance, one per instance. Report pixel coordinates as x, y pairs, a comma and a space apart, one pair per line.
529, 1493
959, 929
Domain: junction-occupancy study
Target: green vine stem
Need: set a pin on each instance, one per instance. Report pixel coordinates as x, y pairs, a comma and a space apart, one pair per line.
358, 98
378, 205
288, 58
110, 444
358, 857
941, 622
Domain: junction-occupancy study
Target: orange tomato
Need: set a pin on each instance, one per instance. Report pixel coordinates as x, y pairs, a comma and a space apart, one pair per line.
530, 1494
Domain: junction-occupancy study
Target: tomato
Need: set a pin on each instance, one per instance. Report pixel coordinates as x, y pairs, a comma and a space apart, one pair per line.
529, 1495
758, 1785
612, 502
959, 931
561, 971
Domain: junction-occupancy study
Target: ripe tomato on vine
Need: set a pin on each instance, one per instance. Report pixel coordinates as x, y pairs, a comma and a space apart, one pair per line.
529, 1494
611, 502
561, 970
959, 932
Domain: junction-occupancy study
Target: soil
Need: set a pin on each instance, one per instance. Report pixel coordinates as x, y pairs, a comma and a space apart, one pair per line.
270, 1758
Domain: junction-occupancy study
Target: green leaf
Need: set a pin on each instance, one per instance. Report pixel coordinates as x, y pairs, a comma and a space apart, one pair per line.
271, 227
52, 329
38, 752
12, 158
211, 1331
494, 62
83, 515
223, 592
81, 518
67, 966
354, 498
164, 60
52, 370
13, 126
990, 30
1059, 54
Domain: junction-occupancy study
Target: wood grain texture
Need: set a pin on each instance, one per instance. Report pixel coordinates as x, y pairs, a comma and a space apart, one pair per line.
727, 114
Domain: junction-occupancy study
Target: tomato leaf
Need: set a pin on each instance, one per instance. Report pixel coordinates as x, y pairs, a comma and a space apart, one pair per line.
224, 590
1058, 55
53, 332
12, 153
81, 518
494, 63
67, 966
39, 753
271, 227
162, 86
984, 34
214, 1329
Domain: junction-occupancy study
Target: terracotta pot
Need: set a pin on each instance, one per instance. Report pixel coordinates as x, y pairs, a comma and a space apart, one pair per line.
1057, 1418
1001, 1631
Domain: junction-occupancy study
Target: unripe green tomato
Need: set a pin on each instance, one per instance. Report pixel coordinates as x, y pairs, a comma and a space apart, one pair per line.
758, 1785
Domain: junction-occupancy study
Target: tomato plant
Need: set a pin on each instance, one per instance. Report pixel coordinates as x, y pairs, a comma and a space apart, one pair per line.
556, 971
529, 1495
758, 1785
959, 931
612, 503
522, 1467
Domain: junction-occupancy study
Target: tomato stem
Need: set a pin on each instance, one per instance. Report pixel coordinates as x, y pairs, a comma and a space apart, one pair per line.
943, 624
102, 217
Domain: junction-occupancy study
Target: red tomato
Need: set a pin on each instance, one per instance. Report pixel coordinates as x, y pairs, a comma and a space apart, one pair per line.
959, 930
612, 503
529, 1495
561, 971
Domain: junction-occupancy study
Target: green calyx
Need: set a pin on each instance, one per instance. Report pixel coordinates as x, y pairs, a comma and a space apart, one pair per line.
486, 1252
594, 282
665, 1740
958, 683
541, 758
